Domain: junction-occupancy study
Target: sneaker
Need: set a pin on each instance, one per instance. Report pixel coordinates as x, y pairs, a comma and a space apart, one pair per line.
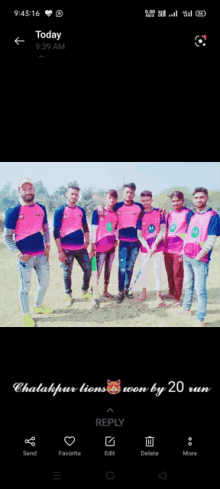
68, 301
183, 312
42, 310
95, 304
199, 323
120, 297
87, 295
28, 321
129, 296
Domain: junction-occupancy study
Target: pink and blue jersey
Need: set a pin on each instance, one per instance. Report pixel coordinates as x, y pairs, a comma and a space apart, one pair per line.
127, 220
27, 222
107, 225
70, 224
149, 224
200, 227
176, 222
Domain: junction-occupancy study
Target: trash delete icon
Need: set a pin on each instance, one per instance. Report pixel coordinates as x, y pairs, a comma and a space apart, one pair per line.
149, 441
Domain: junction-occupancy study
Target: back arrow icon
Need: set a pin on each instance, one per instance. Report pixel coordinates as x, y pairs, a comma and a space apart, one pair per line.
163, 475
18, 40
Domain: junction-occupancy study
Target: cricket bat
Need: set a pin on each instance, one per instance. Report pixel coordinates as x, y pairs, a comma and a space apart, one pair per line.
95, 287
183, 235
138, 274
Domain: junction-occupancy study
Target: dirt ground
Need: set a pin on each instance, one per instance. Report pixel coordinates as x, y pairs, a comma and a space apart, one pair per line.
129, 313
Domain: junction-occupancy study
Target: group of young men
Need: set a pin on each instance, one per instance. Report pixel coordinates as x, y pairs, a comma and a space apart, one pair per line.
185, 239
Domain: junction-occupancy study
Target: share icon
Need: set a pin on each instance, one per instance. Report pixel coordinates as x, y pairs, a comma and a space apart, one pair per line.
31, 441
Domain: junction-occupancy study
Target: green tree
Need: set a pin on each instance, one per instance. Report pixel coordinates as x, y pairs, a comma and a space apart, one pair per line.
75, 183
163, 198
5, 197
57, 198
8, 198
41, 194
87, 201
214, 200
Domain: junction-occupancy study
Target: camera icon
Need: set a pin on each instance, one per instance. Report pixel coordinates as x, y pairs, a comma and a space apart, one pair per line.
59, 13
200, 40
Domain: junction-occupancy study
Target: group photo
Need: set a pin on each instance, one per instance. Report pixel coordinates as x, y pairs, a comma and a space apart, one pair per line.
110, 244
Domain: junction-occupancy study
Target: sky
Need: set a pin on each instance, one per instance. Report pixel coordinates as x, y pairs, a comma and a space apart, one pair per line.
155, 177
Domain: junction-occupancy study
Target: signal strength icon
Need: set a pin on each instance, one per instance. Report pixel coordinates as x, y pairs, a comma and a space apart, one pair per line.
174, 14
186, 13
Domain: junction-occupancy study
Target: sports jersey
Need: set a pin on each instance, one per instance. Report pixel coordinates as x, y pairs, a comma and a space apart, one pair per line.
149, 224
127, 220
27, 222
177, 222
200, 227
107, 224
70, 224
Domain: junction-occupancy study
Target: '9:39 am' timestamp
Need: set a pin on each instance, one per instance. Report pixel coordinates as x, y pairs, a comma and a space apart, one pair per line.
46, 46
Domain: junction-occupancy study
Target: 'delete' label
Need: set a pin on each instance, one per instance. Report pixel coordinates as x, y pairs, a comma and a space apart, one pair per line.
154, 454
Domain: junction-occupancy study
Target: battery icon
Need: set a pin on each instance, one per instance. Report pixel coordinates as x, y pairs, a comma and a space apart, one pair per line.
200, 13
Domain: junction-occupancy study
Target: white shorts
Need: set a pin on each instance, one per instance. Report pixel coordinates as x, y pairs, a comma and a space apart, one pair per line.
157, 259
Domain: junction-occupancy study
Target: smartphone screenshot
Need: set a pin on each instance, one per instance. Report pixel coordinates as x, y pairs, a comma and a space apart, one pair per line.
110, 313
113, 32
109, 246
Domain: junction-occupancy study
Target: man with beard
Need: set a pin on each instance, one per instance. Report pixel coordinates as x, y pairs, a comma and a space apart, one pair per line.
202, 232
28, 221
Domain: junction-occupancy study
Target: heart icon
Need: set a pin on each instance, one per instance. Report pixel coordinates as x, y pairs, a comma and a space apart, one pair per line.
69, 440
48, 12
204, 37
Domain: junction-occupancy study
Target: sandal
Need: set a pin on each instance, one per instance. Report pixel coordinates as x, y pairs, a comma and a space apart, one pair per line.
177, 304
161, 304
141, 299
109, 296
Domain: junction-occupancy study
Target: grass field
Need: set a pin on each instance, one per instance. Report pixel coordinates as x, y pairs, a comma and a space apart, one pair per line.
127, 314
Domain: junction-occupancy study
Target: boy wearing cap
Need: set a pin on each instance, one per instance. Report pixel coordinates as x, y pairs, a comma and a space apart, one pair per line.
204, 227
103, 238
28, 222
